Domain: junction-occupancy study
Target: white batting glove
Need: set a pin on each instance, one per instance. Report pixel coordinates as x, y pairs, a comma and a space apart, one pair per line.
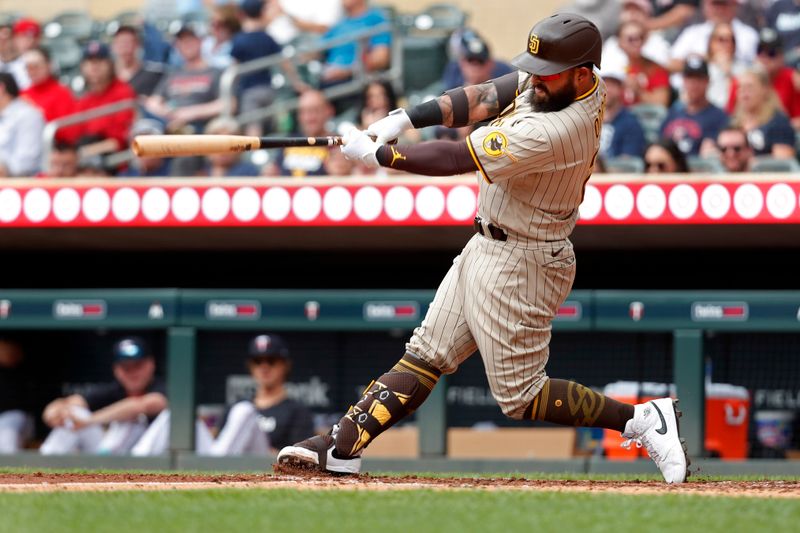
390, 127
357, 146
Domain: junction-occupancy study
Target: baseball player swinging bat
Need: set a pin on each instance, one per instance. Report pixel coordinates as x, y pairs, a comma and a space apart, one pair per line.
188, 145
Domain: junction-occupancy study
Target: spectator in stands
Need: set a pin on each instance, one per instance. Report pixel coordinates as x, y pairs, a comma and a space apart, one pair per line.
63, 161
694, 120
270, 420
474, 63
723, 66
142, 76
45, 92
671, 14
647, 82
655, 47
758, 111
734, 150
125, 406
622, 134
107, 133
784, 16
21, 126
694, 39
9, 58
377, 99
188, 97
313, 114
217, 46
27, 36
16, 387
230, 164
288, 20
341, 60
147, 167
336, 164
664, 157
785, 80
255, 89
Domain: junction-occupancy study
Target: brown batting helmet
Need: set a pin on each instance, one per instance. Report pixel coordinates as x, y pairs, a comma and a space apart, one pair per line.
560, 42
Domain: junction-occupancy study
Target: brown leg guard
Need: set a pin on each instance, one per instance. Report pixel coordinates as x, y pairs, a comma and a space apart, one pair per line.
571, 404
391, 398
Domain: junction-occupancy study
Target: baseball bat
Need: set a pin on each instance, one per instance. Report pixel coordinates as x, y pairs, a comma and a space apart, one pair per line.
187, 145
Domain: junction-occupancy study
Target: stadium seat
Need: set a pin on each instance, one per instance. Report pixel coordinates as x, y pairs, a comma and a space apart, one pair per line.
65, 53
705, 165
624, 165
651, 116
75, 24
424, 58
767, 163
445, 17
9, 17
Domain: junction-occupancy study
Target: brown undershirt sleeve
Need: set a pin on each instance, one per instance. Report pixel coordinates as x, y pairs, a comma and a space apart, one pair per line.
432, 158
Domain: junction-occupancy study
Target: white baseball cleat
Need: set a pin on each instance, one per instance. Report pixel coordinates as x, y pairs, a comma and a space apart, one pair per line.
318, 453
655, 426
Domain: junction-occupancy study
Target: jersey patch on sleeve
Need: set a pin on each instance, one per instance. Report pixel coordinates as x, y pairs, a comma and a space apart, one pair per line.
495, 144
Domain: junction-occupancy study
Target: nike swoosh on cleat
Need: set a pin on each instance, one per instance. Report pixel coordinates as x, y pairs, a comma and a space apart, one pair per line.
663, 429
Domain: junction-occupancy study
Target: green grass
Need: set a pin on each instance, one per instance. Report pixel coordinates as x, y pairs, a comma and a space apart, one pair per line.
415, 511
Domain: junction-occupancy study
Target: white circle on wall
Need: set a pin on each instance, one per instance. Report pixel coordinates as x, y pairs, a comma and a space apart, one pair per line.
399, 203
748, 201
337, 203
307, 204
651, 201
66, 205
430, 202
716, 201
368, 203
155, 204
276, 204
619, 202
781, 201
683, 201
96, 204
185, 204
125, 204
36, 205
246, 204
592, 203
216, 204
461, 203
10, 205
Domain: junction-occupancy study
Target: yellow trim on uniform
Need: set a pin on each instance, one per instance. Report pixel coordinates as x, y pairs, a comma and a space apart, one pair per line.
419, 370
590, 91
477, 162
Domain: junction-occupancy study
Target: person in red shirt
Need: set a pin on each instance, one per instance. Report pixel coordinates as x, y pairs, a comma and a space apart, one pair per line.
53, 99
109, 132
647, 82
785, 80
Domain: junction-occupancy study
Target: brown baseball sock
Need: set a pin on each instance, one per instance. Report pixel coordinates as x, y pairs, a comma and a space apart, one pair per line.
571, 404
389, 399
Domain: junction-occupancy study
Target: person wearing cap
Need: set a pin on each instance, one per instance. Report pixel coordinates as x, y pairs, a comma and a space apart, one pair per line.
147, 167
109, 418
622, 134
126, 49
270, 419
21, 126
501, 294
694, 121
693, 40
785, 80
27, 35
474, 63
655, 46
45, 92
108, 133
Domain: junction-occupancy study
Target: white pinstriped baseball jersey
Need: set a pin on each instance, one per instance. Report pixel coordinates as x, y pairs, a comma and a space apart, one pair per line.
534, 165
501, 297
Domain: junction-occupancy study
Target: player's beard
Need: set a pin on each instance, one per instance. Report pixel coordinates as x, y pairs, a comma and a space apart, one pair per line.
553, 101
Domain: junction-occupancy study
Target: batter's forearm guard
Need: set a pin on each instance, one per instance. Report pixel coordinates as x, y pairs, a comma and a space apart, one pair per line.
394, 395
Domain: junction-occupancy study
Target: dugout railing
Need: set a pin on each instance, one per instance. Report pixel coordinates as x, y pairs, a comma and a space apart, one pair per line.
689, 319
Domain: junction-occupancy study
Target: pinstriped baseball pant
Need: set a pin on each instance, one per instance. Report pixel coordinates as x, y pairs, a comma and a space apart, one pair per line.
500, 299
